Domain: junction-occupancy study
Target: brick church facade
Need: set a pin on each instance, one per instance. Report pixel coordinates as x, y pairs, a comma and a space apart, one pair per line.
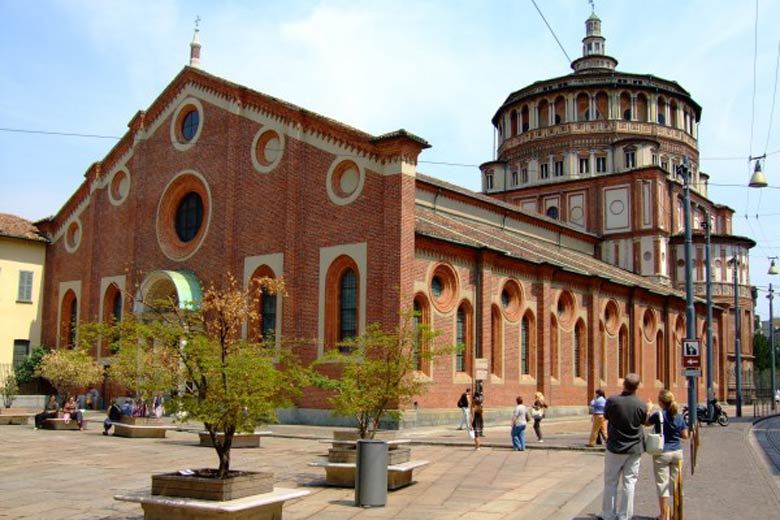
214, 178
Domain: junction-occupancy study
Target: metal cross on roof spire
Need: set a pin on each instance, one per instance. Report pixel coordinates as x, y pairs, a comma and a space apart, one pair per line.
197, 19
592, 6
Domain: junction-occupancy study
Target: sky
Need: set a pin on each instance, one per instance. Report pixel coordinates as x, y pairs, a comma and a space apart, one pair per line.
439, 68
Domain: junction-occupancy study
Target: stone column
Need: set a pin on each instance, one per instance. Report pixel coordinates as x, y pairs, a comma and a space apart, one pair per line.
593, 358
543, 292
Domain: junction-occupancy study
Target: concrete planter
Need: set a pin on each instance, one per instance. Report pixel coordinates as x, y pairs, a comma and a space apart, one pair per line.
397, 455
242, 485
240, 440
142, 421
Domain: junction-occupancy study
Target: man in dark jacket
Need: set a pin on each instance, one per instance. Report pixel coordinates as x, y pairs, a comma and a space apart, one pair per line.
114, 415
626, 415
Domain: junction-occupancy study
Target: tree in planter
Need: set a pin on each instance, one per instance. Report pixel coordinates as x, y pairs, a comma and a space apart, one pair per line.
70, 370
379, 375
229, 383
9, 389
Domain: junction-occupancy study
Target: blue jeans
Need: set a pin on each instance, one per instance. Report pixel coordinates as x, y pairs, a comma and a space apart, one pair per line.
518, 436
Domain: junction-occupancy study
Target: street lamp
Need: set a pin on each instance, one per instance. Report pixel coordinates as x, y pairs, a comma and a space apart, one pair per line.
771, 296
734, 262
758, 179
684, 171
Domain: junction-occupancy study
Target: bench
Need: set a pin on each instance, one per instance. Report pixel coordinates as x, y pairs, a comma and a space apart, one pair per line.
140, 431
267, 506
15, 418
342, 474
60, 424
240, 440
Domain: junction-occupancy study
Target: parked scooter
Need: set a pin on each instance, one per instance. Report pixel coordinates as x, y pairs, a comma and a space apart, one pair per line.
703, 416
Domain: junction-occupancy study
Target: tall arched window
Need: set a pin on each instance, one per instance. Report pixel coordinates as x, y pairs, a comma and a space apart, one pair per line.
265, 328
513, 122
420, 320
583, 107
659, 356
625, 106
525, 121
68, 319
544, 113
348, 305
112, 313
342, 303
524, 345
622, 352
579, 350
602, 352
463, 338
496, 341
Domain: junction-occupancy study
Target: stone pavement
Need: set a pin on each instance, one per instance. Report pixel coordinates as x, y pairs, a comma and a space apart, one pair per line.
732, 479
62, 474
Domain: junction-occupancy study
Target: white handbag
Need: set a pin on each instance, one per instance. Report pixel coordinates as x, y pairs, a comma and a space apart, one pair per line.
654, 442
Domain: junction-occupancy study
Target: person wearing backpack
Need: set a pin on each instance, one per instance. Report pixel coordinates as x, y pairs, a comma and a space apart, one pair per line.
667, 453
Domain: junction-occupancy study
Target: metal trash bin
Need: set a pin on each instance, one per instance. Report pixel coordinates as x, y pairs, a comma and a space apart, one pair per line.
371, 473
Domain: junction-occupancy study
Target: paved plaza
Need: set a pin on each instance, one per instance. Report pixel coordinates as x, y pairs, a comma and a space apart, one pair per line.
53, 475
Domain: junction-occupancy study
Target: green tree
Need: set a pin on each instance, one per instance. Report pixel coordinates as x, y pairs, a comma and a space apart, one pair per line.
70, 370
761, 352
378, 372
229, 383
27, 369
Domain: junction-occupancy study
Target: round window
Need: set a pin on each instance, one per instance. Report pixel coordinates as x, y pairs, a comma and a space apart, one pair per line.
648, 324
189, 216
611, 317
119, 187
73, 236
511, 299
344, 182
444, 287
552, 212
565, 307
183, 215
267, 149
189, 125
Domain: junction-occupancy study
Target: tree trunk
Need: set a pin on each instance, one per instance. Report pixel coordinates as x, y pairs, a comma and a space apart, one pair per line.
222, 447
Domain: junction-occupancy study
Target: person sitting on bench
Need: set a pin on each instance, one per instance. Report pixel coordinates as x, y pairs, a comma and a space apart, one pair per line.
71, 411
114, 415
49, 411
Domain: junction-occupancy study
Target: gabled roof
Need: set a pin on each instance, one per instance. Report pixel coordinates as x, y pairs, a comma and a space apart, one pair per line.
471, 233
13, 226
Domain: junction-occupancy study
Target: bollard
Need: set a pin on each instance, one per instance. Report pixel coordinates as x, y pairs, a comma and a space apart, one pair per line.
371, 473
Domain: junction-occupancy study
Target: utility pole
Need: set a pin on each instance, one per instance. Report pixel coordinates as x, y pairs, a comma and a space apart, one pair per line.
690, 312
710, 352
737, 334
772, 376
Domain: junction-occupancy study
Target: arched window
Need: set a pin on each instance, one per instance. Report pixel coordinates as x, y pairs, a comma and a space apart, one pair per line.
553, 347
496, 341
673, 114
602, 106
602, 352
112, 313
625, 106
524, 346
513, 123
68, 319
544, 113
348, 305
420, 320
622, 353
579, 350
583, 106
525, 119
265, 328
463, 338
342, 303
559, 114
659, 356
661, 118
641, 107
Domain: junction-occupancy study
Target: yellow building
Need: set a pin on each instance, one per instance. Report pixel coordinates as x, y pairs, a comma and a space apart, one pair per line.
22, 255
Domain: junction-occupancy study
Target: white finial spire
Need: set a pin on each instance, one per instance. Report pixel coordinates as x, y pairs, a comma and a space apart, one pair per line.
195, 45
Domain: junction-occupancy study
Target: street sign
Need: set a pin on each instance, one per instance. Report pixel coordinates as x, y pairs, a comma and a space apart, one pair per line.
480, 369
691, 354
692, 372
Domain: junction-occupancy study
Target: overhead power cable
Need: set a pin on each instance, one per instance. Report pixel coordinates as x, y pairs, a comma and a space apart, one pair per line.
552, 32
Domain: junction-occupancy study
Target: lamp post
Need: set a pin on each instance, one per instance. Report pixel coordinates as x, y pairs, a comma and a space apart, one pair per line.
710, 353
771, 296
737, 333
684, 171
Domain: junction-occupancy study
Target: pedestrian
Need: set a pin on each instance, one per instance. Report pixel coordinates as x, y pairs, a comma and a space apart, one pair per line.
464, 403
519, 422
666, 466
777, 395
72, 411
477, 422
157, 405
537, 414
626, 415
50, 410
599, 426
114, 415
127, 408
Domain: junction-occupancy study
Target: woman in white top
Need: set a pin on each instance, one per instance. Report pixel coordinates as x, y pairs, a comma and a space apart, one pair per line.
519, 422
